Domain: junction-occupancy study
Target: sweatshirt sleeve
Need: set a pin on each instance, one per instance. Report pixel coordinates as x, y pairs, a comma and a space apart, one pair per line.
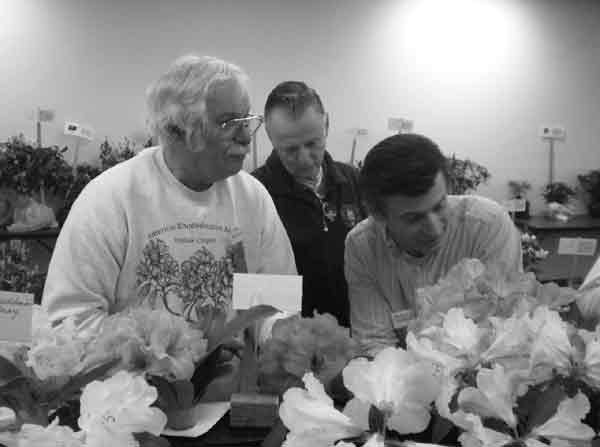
87, 259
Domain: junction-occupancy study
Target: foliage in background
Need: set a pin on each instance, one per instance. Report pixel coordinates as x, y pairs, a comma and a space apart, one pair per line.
17, 271
533, 252
25, 168
111, 155
465, 175
590, 183
84, 173
558, 192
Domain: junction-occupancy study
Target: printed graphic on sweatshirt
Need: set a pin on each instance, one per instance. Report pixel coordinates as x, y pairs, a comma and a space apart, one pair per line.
196, 285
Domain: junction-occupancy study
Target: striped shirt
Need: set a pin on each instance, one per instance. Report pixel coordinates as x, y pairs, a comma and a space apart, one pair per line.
383, 280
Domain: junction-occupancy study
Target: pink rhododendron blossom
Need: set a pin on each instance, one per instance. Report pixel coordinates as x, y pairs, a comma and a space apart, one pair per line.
300, 345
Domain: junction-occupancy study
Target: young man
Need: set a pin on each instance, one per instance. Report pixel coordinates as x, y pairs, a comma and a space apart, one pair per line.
317, 198
415, 233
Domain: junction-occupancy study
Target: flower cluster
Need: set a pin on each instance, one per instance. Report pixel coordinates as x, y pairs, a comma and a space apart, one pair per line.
152, 341
532, 251
300, 345
112, 412
26, 168
513, 370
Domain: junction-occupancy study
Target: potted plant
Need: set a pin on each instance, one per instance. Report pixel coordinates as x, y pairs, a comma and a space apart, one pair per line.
465, 175
84, 173
110, 155
30, 170
590, 183
558, 192
518, 191
31, 173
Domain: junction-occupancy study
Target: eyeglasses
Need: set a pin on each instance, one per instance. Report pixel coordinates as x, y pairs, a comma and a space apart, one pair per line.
251, 122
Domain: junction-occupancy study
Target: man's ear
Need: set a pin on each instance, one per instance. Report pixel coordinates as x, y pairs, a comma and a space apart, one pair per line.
326, 123
266, 127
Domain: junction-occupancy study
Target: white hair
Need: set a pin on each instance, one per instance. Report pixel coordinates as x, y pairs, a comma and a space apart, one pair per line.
176, 102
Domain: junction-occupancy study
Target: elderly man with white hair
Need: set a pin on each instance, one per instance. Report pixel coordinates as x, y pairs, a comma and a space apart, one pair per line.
169, 227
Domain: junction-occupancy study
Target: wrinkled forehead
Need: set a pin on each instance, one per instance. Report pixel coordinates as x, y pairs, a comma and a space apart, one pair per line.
288, 129
228, 96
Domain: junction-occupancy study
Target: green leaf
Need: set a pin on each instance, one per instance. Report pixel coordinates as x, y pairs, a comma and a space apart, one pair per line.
79, 381
167, 396
441, 427
8, 371
208, 370
243, 320
149, 440
540, 405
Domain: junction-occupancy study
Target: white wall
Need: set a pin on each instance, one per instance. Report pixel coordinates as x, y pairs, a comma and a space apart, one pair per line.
478, 77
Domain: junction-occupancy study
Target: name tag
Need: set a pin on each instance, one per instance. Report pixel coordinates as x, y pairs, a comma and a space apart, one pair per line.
401, 318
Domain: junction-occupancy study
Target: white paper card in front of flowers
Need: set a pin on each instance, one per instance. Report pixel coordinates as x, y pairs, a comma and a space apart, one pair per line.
15, 316
283, 292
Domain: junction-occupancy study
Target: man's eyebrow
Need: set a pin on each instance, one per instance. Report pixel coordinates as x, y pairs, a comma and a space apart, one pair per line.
422, 213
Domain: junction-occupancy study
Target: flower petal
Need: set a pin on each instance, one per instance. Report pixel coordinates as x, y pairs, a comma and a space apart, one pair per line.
310, 413
409, 419
494, 396
566, 423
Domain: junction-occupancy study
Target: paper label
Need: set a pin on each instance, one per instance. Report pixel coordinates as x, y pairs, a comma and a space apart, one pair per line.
577, 246
15, 316
78, 130
281, 291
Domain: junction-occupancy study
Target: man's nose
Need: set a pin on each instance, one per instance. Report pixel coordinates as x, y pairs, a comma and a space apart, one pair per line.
434, 225
243, 136
305, 157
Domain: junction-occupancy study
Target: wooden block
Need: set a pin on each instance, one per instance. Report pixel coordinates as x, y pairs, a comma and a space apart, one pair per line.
253, 410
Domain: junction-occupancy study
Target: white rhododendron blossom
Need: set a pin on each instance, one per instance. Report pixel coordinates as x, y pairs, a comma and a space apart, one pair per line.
512, 338
448, 390
426, 349
561, 429
461, 332
31, 435
552, 350
566, 423
452, 290
311, 418
457, 344
494, 396
480, 436
400, 384
113, 409
591, 361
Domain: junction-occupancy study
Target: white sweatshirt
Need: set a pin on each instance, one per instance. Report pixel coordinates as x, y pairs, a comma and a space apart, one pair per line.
137, 236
